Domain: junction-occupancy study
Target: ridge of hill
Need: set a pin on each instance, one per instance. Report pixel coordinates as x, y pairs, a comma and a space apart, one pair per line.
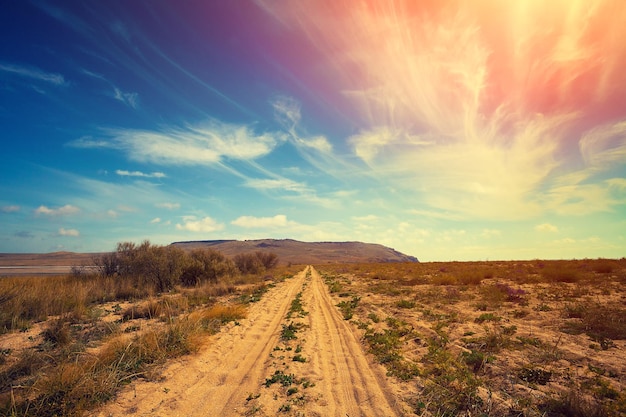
297, 252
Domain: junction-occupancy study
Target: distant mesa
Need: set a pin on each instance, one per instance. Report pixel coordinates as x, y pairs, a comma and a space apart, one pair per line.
296, 252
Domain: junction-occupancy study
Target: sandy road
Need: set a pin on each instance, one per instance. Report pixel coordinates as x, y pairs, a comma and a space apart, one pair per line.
349, 385
219, 380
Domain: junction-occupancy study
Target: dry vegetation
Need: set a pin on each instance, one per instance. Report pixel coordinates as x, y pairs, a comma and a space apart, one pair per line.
536, 338
69, 343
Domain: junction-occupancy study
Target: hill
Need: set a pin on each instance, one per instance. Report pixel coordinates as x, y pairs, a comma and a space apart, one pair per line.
296, 252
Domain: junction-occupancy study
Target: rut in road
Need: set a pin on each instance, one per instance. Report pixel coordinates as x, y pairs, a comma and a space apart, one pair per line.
221, 379
349, 385
216, 381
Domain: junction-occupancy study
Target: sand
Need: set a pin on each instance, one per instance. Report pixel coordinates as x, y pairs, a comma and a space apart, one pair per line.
227, 377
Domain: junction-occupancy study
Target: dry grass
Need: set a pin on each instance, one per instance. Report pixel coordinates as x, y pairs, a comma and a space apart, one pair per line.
87, 336
524, 338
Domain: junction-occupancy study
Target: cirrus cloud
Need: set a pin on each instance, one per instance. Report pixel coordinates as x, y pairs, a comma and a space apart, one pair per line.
125, 173
209, 143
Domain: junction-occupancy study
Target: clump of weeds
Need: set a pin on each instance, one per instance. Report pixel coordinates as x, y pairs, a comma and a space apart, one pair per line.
347, 307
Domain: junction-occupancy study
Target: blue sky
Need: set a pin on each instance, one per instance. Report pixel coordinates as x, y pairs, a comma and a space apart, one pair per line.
447, 130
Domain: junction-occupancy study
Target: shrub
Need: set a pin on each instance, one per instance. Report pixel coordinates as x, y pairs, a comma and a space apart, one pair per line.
573, 404
406, 304
561, 273
206, 265
471, 277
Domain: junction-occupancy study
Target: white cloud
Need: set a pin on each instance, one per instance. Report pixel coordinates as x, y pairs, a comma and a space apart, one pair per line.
69, 232
286, 111
280, 220
34, 73
318, 143
206, 224
488, 233
87, 142
10, 209
125, 173
546, 227
112, 213
66, 210
368, 218
155, 220
130, 99
565, 241
272, 184
169, 206
209, 143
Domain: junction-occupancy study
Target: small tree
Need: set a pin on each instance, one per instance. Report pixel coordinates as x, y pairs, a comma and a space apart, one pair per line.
207, 265
255, 263
268, 259
149, 264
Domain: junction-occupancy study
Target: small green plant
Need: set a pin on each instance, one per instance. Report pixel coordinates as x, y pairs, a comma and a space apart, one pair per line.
251, 396
347, 307
476, 360
534, 375
281, 378
296, 307
299, 358
289, 331
285, 408
487, 317
373, 317
408, 304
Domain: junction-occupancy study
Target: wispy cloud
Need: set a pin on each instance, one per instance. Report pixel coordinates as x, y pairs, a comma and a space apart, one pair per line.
130, 99
280, 220
168, 206
69, 232
489, 233
546, 227
88, 142
125, 173
459, 122
210, 143
10, 209
203, 225
277, 184
155, 220
65, 210
287, 113
33, 73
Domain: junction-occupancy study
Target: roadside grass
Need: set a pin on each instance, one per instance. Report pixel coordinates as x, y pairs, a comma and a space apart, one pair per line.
78, 360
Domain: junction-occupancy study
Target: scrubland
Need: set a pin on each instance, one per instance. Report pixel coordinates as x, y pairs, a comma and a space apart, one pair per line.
532, 338
69, 343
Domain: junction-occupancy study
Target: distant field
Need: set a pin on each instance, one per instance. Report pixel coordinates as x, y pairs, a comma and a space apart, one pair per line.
43, 264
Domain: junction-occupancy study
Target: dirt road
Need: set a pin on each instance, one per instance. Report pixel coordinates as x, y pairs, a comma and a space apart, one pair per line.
255, 369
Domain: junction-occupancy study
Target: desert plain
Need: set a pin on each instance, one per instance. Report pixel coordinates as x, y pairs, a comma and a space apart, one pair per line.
510, 338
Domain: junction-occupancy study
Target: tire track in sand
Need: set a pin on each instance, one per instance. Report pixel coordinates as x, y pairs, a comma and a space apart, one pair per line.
235, 364
216, 381
348, 385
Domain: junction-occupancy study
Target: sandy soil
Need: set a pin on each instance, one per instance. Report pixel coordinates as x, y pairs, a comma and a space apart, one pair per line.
229, 377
